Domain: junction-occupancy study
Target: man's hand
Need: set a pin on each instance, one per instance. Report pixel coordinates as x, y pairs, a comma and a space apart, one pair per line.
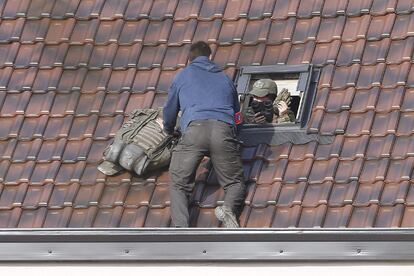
283, 107
259, 118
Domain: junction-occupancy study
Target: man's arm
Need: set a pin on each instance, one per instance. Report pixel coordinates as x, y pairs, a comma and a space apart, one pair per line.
171, 109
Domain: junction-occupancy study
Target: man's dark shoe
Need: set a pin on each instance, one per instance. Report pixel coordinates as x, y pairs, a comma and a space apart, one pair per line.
225, 215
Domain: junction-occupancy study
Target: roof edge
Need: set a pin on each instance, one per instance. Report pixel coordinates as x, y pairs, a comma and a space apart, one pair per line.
206, 245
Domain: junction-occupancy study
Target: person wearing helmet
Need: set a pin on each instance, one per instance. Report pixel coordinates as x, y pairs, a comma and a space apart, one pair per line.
267, 106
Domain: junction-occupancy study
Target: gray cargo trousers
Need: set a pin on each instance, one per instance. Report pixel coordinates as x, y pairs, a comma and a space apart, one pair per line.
218, 140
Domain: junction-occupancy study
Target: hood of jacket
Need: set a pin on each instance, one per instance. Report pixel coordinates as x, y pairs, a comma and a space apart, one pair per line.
206, 64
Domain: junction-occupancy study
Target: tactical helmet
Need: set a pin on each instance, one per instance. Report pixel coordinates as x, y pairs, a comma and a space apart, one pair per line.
264, 87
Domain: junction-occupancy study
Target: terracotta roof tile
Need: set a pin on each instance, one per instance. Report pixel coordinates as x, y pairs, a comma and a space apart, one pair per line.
120, 81
96, 80
232, 31
89, 9
21, 79
406, 124
227, 55
157, 32
212, 9
281, 31
312, 217
400, 50
29, 55
53, 55
10, 127
107, 127
260, 217
276, 54
44, 173
286, 217
71, 80
380, 27
390, 216
379, 147
403, 26
381, 7
84, 32
32, 218
102, 56
33, 127
59, 31
355, 28
375, 51
337, 217
187, 9
5, 75
359, 124
15, 103
51, 150
175, 57
69, 173
138, 9
256, 31
133, 217
12, 11
400, 170
394, 193
350, 52
91, 175
19, 173
12, 196
83, 217
395, 75
325, 53
83, 127
348, 170
63, 195
114, 103
7, 148
404, 6
8, 53
76, 150
113, 9
57, 127
334, 123
345, 76
310, 8
151, 56
340, 100
236, 9
403, 147
26, 150
58, 218
285, 8
301, 53
365, 100
297, 171
251, 55
207, 31
385, 123
158, 217
108, 217
89, 103
140, 101
354, 147
356, 7
261, 8
305, 30
66, 9
37, 195
182, 32
390, 99
363, 216
11, 30
368, 194
328, 151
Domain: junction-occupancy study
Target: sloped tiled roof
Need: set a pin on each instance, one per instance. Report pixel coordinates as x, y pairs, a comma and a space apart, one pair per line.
71, 70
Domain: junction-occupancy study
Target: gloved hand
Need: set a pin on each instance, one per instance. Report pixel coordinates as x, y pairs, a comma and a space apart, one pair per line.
282, 107
259, 118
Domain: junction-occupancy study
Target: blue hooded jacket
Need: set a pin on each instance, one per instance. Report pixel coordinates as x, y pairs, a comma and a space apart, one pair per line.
200, 91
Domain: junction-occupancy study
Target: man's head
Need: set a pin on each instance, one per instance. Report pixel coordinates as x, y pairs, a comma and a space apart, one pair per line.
264, 89
199, 48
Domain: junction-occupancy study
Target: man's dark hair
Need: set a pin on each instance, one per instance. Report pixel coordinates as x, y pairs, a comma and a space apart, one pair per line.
199, 48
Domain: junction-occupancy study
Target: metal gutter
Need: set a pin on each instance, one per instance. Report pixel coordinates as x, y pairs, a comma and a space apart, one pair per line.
206, 244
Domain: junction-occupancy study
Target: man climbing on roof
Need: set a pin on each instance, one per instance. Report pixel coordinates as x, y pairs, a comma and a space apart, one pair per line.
208, 102
140, 145
267, 106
